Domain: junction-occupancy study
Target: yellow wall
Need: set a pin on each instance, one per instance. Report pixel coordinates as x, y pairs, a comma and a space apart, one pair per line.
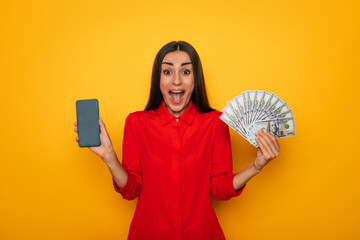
55, 52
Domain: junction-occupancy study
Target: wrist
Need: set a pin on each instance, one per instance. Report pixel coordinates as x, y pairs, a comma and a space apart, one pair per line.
255, 168
110, 156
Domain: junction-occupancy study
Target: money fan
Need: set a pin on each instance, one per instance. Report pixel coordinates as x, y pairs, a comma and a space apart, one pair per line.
255, 110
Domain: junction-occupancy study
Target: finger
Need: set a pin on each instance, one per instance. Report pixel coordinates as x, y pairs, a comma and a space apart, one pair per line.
274, 140
260, 138
262, 147
269, 142
75, 129
269, 149
75, 124
102, 126
77, 139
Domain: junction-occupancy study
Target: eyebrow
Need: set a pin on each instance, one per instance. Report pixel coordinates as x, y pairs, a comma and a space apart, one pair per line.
171, 64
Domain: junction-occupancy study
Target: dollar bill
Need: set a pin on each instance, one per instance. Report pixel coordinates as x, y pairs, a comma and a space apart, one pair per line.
255, 110
280, 128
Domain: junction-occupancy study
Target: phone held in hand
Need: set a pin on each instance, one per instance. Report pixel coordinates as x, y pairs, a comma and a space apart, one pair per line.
87, 113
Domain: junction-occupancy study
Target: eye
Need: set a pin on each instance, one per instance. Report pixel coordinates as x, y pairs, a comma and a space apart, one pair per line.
167, 72
186, 72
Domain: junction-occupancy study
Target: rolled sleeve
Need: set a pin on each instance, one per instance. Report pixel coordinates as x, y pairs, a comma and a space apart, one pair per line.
228, 187
130, 190
130, 161
221, 182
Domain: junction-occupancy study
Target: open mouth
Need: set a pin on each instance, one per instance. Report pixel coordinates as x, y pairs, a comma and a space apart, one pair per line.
176, 95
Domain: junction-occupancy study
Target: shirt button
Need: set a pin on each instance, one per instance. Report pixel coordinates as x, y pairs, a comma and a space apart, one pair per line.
177, 119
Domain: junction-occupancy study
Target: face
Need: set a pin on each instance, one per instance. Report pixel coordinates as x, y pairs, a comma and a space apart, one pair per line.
176, 81
272, 127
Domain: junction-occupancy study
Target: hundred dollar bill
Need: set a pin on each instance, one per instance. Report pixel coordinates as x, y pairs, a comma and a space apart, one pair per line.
228, 110
251, 99
265, 96
282, 107
247, 108
250, 136
259, 96
268, 101
233, 123
286, 114
280, 128
236, 109
254, 110
275, 104
239, 100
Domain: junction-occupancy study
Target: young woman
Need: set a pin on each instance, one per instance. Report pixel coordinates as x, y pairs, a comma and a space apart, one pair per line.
176, 152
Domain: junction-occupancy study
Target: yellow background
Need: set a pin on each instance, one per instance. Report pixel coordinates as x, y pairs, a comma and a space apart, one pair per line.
55, 52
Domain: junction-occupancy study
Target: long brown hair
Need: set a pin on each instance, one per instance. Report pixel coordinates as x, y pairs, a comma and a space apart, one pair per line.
198, 96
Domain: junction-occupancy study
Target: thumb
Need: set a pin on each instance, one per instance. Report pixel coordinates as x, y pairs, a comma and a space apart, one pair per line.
102, 125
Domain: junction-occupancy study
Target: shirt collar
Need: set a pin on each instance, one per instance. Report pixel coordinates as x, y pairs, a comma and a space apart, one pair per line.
187, 116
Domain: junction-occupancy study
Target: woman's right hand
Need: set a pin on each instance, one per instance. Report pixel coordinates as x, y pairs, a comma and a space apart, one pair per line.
105, 151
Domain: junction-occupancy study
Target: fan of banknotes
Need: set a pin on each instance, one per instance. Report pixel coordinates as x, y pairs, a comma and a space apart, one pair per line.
255, 110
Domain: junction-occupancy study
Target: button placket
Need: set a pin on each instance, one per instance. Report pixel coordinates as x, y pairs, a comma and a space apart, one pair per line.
177, 158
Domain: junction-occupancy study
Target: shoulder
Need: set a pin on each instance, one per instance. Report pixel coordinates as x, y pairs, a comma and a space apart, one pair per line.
215, 113
140, 116
212, 117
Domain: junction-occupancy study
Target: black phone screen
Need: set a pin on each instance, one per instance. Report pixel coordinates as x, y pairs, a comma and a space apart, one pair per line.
87, 112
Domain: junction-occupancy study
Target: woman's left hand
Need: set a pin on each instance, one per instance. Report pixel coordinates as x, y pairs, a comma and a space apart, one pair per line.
268, 148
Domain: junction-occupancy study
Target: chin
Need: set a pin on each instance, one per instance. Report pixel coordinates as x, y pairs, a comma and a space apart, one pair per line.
175, 108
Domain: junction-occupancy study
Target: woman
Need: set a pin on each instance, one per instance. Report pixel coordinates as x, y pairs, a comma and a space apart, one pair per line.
177, 152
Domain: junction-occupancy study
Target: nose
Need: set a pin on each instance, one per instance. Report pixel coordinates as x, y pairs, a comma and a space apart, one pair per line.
177, 79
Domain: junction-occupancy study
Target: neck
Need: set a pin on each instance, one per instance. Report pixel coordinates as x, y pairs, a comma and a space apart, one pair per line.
177, 114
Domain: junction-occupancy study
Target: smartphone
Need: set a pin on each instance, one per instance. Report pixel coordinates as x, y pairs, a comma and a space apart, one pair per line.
87, 113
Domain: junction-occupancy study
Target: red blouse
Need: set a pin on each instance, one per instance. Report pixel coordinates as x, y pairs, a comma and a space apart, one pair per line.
173, 164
